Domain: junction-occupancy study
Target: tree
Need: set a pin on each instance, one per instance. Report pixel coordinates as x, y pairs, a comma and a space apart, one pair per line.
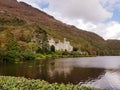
32, 47
75, 49
11, 55
11, 43
22, 46
11, 47
52, 48
28, 55
2, 54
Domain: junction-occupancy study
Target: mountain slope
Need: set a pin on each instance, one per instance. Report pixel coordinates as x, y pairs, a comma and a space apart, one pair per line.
85, 41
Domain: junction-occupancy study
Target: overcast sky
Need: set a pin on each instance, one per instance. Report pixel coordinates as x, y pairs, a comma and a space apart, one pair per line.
99, 16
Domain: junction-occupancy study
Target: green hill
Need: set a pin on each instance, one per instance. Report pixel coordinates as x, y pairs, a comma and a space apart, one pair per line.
20, 22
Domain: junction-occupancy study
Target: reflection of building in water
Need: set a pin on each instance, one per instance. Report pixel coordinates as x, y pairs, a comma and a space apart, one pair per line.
62, 46
59, 68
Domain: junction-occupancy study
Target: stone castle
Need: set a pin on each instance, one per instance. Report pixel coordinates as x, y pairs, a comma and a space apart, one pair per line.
61, 46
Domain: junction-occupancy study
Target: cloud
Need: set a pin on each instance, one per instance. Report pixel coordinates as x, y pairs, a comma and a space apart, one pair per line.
111, 5
113, 29
74, 9
110, 30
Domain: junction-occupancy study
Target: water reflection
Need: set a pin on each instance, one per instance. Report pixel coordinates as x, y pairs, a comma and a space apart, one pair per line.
104, 71
65, 72
100, 72
105, 62
110, 80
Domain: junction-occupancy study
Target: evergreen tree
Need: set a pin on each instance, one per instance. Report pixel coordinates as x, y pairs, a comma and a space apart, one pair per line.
52, 48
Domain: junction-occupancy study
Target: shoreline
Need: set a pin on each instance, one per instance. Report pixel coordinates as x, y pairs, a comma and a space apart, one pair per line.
21, 83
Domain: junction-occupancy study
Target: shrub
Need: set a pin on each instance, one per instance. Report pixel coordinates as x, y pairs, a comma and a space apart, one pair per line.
20, 83
11, 55
27, 55
40, 56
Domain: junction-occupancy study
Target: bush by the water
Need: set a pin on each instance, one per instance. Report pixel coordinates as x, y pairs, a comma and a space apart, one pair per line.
28, 55
20, 83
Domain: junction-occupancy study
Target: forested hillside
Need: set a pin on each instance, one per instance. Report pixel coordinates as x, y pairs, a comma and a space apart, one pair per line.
20, 24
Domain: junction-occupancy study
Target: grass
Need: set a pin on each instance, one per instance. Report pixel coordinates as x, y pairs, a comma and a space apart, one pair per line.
21, 83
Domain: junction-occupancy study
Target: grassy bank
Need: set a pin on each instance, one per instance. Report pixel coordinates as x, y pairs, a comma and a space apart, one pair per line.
20, 83
56, 55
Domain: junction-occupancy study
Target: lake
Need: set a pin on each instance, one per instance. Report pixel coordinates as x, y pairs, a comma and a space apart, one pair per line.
101, 72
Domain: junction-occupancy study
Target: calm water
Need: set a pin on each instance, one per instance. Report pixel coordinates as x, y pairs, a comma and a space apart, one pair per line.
100, 72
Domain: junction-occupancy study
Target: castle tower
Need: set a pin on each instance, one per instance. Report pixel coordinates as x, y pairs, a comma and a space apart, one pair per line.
64, 40
51, 42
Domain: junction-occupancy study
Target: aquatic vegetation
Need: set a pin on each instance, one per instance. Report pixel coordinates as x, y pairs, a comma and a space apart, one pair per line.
21, 83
